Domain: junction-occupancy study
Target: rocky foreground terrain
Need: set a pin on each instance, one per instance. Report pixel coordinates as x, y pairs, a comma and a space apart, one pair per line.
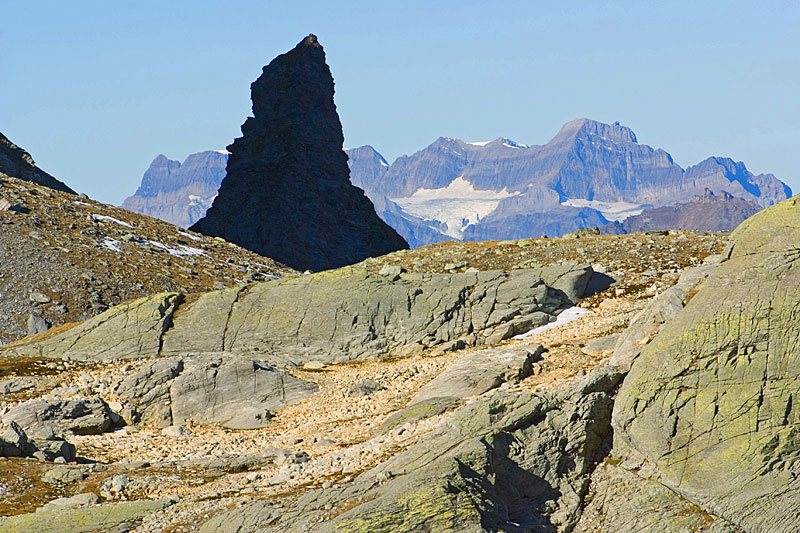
345, 399
66, 258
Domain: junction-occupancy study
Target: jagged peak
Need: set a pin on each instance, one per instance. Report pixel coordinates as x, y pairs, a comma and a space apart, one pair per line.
586, 126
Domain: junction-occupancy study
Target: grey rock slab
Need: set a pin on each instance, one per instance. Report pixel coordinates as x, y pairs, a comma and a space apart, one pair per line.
127, 331
41, 418
711, 401
481, 372
227, 389
511, 462
64, 474
660, 310
124, 516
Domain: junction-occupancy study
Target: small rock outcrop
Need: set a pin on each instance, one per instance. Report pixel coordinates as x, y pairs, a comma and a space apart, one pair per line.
44, 419
17, 163
233, 391
287, 193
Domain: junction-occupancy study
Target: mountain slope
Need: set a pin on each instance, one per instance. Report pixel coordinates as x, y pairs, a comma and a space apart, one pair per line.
179, 193
287, 193
710, 212
16, 162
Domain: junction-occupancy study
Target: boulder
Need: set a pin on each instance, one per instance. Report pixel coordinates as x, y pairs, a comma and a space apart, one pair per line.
233, 391
42, 419
481, 372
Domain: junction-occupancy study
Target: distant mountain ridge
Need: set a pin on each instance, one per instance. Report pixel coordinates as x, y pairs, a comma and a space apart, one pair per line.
589, 174
179, 193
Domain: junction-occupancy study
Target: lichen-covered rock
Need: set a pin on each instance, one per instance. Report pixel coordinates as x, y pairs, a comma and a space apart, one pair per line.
127, 331
711, 403
512, 462
117, 517
227, 389
332, 317
351, 314
621, 501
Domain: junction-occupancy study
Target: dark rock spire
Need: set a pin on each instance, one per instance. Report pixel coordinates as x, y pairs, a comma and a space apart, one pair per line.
287, 193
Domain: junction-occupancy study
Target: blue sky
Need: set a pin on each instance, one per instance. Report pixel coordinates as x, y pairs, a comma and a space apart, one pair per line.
94, 90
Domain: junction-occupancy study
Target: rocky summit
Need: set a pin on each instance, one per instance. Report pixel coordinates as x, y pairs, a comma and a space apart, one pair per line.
16, 162
287, 193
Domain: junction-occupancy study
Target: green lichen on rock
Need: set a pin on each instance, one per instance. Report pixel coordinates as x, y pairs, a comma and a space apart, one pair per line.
712, 401
129, 330
100, 518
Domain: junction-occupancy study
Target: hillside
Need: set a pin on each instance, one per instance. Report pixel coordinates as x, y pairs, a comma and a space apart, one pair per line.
66, 258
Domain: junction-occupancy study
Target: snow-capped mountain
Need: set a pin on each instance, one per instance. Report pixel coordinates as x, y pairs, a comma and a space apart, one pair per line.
589, 174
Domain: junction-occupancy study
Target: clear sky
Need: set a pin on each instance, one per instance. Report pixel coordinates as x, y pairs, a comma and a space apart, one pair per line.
94, 90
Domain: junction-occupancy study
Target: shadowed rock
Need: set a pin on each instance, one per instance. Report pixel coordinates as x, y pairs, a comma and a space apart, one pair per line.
287, 193
18, 163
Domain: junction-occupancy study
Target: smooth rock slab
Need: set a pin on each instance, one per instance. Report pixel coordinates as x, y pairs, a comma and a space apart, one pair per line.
124, 516
227, 389
481, 372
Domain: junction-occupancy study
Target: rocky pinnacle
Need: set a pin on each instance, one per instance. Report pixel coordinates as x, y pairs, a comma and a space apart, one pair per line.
287, 193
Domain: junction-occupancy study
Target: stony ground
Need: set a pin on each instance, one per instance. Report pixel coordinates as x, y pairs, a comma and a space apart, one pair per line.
338, 432
66, 258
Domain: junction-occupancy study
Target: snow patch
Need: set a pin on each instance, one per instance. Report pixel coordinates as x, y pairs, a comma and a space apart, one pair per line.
223, 152
111, 244
482, 143
97, 217
82, 203
565, 317
457, 206
178, 251
190, 236
614, 211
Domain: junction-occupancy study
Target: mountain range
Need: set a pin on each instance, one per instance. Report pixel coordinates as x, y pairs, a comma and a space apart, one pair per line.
179, 193
589, 174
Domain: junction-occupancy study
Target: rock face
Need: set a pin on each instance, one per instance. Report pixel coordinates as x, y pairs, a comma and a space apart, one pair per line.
17, 163
480, 372
287, 194
334, 317
233, 391
589, 173
709, 212
472, 474
179, 193
709, 407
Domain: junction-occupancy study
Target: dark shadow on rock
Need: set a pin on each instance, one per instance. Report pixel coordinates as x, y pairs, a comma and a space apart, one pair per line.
598, 283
